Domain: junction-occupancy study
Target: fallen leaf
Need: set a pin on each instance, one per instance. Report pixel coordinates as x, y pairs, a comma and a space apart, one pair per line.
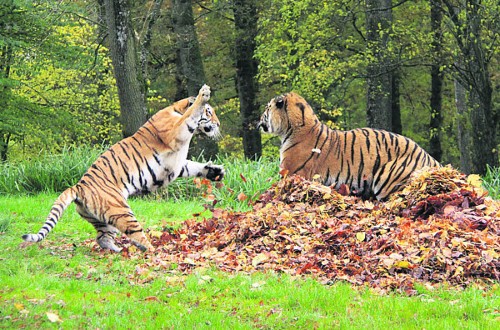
402, 264
437, 229
283, 172
258, 284
361, 236
259, 258
151, 298
474, 180
155, 233
53, 317
242, 196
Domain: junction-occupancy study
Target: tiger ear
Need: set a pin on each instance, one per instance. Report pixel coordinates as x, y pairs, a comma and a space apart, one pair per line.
191, 100
279, 102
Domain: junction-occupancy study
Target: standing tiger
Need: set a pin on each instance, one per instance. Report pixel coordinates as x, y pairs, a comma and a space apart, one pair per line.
371, 162
153, 157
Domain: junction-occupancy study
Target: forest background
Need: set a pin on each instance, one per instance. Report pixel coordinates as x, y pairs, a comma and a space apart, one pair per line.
88, 72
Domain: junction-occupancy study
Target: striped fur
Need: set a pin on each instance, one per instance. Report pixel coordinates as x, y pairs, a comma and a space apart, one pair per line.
151, 158
372, 162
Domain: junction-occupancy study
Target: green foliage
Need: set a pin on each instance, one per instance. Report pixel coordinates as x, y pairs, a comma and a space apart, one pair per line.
72, 89
305, 52
59, 88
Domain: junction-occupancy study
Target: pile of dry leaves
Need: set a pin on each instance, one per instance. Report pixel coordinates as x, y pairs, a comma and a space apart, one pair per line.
441, 229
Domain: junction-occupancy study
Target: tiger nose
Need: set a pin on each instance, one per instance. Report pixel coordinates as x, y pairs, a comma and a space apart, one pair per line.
207, 129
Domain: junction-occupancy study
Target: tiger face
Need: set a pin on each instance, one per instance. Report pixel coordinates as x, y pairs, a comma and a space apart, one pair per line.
209, 123
279, 118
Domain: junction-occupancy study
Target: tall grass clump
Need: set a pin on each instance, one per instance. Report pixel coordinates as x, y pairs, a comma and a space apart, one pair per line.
243, 182
491, 181
48, 172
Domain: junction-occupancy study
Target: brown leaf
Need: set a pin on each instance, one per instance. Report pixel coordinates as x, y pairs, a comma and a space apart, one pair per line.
151, 298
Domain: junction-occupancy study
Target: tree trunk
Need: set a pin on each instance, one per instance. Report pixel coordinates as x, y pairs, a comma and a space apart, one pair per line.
245, 19
379, 77
471, 69
6, 57
147, 34
436, 120
480, 96
4, 146
463, 128
124, 56
483, 128
187, 43
397, 127
190, 73
180, 86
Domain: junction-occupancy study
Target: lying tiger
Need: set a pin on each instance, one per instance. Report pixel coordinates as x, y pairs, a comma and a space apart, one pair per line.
371, 162
151, 158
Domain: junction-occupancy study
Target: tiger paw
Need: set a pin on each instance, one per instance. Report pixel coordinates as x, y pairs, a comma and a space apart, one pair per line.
144, 247
214, 172
204, 93
108, 242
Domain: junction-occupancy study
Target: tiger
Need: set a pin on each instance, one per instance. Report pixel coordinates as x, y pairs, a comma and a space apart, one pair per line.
151, 158
372, 163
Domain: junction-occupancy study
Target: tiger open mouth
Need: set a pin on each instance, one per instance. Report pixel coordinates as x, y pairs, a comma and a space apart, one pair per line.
263, 126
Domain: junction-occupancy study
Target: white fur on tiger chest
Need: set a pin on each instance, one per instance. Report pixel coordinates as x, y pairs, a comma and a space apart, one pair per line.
170, 165
173, 162
166, 168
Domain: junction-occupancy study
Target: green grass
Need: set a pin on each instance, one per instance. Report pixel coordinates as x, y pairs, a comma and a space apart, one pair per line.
491, 181
88, 289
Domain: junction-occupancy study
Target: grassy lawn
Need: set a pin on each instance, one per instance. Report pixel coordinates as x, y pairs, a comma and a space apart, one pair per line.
61, 283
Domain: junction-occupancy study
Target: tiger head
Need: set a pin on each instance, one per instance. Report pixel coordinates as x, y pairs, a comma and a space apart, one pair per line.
208, 124
286, 113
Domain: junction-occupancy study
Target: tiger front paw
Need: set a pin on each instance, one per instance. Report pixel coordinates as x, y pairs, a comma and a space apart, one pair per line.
214, 172
204, 93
